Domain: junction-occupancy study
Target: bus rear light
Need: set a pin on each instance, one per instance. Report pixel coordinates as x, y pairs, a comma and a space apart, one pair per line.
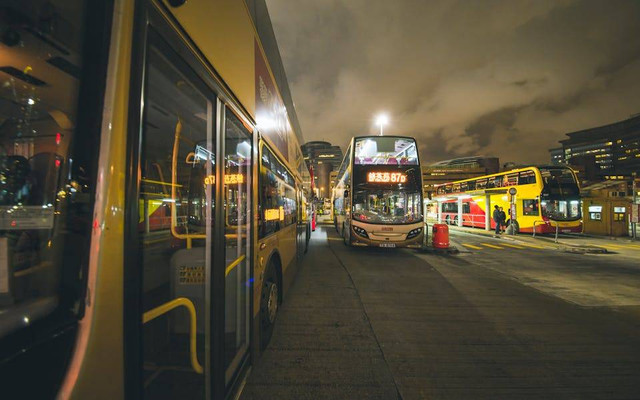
360, 232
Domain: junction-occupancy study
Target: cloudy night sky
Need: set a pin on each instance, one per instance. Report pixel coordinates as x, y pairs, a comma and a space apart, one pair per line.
494, 78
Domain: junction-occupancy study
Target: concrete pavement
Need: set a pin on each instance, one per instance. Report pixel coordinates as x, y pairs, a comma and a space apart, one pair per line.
388, 324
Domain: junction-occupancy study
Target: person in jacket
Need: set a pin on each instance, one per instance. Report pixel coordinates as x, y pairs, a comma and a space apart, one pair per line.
503, 219
496, 218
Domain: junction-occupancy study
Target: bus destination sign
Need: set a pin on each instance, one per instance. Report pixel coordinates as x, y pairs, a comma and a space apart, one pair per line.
386, 177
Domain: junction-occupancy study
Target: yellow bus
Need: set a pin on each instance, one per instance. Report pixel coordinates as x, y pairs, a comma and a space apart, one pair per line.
378, 196
152, 209
545, 197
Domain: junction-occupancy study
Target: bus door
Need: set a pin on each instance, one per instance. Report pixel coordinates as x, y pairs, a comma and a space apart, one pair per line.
193, 234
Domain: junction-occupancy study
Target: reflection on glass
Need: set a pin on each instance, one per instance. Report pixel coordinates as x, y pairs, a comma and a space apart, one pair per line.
176, 211
387, 206
561, 210
237, 185
45, 204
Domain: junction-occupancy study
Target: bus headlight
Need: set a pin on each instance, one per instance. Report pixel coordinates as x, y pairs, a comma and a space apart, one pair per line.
360, 232
413, 233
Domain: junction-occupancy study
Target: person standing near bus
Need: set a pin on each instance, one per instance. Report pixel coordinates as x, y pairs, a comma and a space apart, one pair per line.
503, 219
496, 219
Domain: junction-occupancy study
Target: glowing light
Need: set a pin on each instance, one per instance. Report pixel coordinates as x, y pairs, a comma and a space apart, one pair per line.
229, 179
382, 119
386, 177
31, 101
26, 319
58, 138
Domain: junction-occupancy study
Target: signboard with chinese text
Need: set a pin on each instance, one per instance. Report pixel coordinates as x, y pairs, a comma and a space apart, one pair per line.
386, 177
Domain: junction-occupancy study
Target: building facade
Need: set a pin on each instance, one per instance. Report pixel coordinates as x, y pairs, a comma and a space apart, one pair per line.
606, 151
322, 158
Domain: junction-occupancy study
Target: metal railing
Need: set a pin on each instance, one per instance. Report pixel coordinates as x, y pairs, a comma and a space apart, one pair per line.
546, 223
168, 306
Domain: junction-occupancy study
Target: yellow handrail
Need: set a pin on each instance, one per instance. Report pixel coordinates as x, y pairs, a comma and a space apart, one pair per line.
168, 306
233, 265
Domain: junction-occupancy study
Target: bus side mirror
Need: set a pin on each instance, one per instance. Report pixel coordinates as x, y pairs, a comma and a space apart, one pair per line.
346, 193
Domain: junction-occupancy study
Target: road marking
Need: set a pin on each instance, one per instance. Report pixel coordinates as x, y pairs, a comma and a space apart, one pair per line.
472, 246
534, 246
634, 246
492, 246
512, 245
613, 246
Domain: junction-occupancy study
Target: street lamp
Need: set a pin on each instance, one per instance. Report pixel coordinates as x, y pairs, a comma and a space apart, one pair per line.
382, 120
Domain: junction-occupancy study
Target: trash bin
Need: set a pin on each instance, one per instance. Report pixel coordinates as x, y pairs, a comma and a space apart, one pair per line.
440, 236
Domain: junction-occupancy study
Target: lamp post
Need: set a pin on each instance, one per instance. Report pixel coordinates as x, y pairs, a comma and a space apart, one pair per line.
382, 120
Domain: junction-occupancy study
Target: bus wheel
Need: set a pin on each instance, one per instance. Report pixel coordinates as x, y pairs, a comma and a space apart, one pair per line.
268, 305
447, 220
346, 236
455, 220
513, 227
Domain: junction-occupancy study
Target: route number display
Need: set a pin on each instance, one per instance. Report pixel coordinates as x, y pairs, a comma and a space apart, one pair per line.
386, 177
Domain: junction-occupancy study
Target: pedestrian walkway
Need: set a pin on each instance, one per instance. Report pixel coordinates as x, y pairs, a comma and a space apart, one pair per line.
323, 346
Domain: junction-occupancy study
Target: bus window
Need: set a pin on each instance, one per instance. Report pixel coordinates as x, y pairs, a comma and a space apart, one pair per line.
526, 177
530, 207
178, 181
45, 202
237, 189
277, 194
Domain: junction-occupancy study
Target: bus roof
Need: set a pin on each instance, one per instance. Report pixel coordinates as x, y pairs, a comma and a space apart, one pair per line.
511, 171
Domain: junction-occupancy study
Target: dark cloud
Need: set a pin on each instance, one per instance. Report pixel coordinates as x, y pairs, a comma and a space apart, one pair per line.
505, 78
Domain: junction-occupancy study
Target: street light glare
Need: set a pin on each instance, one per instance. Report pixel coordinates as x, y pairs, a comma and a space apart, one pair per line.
382, 119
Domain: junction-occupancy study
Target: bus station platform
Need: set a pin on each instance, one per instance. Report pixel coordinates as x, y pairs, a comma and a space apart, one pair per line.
574, 243
323, 346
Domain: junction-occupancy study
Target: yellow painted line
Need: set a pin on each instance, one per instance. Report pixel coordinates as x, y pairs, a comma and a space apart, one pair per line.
492, 246
613, 246
534, 246
512, 245
635, 246
472, 246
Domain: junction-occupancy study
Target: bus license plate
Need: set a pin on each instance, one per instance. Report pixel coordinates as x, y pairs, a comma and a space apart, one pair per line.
387, 245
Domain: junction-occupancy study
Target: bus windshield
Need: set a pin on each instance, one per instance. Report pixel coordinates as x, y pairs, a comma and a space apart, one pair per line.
561, 210
559, 182
385, 150
387, 206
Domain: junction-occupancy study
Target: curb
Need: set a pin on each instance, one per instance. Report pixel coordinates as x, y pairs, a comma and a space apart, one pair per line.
433, 250
559, 246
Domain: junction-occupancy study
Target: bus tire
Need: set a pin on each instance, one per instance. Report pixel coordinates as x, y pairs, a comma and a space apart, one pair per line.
447, 220
455, 221
346, 236
269, 299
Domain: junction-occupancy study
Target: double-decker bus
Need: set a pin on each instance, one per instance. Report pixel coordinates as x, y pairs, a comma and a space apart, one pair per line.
378, 194
152, 204
545, 196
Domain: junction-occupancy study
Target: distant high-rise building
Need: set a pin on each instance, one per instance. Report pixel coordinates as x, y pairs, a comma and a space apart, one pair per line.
610, 150
323, 158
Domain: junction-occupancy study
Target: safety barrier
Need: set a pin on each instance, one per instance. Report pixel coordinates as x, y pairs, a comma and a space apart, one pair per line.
546, 223
168, 306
